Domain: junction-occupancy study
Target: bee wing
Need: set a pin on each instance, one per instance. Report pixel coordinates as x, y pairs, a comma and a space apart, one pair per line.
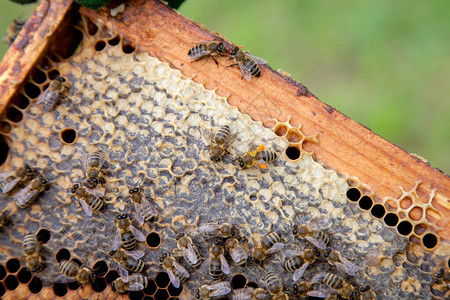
136, 254
86, 208
220, 289
224, 264
200, 54
245, 293
25, 194
299, 273
204, 267
173, 279
116, 242
104, 155
83, 157
319, 277
139, 235
259, 60
292, 253
190, 254
10, 185
346, 266
42, 96
5, 175
98, 191
275, 248
318, 243
262, 166
209, 228
122, 272
322, 292
142, 207
181, 269
136, 287
63, 279
247, 75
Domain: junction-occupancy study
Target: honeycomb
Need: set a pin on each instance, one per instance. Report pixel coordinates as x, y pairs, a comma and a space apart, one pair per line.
154, 121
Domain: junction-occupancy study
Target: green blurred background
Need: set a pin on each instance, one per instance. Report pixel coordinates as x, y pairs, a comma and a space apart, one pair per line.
385, 64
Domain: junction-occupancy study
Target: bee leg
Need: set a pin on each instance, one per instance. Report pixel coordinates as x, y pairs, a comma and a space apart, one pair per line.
217, 64
65, 98
232, 65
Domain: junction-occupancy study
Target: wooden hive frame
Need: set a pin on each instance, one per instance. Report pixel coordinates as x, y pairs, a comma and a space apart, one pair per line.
379, 169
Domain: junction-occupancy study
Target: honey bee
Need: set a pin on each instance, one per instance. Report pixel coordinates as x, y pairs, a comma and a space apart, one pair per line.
220, 143
364, 293
92, 166
190, 251
218, 264
316, 237
304, 289
127, 261
336, 283
236, 251
441, 275
177, 273
31, 249
135, 282
269, 244
145, 211
249, 293
87, 201
206, 291
210, 49
74, 272
223, 230
259, 158
26, 196
13, 31
4, 219
126, 234
249, 64
275, 286
343, 264
53, 93
9, 180
300, 261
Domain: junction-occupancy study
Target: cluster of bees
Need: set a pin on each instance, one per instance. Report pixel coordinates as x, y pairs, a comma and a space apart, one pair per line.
224, 239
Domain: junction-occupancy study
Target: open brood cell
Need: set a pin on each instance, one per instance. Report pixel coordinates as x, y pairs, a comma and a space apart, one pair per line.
153, 120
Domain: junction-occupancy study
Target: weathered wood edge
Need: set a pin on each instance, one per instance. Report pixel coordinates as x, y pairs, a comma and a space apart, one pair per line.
344, 145
28, 47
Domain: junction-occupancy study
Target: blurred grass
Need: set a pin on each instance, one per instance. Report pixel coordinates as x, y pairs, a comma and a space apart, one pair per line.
384, 64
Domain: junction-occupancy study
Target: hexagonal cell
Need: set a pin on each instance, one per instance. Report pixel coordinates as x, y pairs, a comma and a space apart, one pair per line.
12, 265
365, 202
430, 240
2, 272
406, 202
152, 287
43, 236
280, 129
35, 285
73, 285
60, 289
5, 127
173, 291
353, 194
11, 282
404, 228
111, 276
293, 152
162, 280
99, 284
24, 275
238, 281
68, 136
153, 240
161, 294
294, 135
416, 213
391, 205
62, 254
13, 114
378, 211
420, 229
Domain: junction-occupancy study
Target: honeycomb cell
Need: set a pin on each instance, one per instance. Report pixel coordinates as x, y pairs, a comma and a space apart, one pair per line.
161, 294
162, 280
293, 152
238, 281
391, 205
35, 285
99, 284
378, 211
62, 254
60, 289
430, 240
252, 284
13, 114
12, 265
5, 127
111, 276
281, 129
114, 41
173, 291
68, 136
404, 228
21, 101
4, 150
152, 287
43, 236
100, 268
31, 90
73, 285
153, 240
391, 219
365, 202
2, 272
294, 135
420, 229
100, 45
406, 202
24, 275
353, 194
127, 48
11, 282
2, 289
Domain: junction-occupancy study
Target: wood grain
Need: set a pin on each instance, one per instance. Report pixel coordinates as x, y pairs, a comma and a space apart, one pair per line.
344, 145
